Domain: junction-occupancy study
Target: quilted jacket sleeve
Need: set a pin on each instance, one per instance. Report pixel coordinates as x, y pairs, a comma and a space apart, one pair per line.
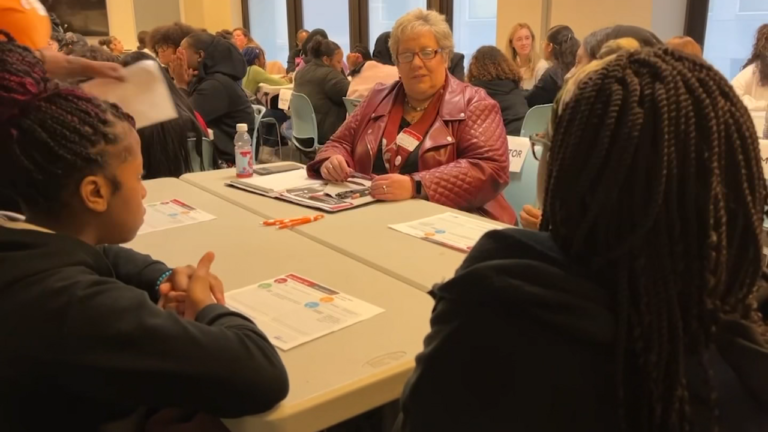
341, 142
481, 169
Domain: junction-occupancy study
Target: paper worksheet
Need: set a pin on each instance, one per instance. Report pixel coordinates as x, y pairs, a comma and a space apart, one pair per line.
292, 310
171, 214
144, 94
448, 229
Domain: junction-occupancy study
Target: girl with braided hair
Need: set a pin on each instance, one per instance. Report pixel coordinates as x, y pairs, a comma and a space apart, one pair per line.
751, 83
634, 307
91, 342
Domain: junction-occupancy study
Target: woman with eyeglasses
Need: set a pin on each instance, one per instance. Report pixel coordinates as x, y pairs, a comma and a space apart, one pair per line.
428, 135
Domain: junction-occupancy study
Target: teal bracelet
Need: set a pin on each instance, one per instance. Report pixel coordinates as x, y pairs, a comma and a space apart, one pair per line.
162, 279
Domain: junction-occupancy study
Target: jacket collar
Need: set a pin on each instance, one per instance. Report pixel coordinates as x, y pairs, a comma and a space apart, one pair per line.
453, 107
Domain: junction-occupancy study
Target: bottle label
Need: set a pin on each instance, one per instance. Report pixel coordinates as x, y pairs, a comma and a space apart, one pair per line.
244, 163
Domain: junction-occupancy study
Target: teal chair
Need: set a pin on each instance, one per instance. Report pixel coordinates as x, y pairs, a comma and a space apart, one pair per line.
206, 162
304, 125
351, 104
522, 185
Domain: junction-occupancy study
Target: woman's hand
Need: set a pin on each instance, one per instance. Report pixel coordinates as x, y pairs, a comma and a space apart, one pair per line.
392, 187
179, 69
530, 218
61, 66
354, 59
335, 169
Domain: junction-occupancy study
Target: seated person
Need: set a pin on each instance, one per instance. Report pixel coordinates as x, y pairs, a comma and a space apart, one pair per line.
165, 40
560, 50
164, 147
296, 54
256, 75
112, 44
208, 69
634, 307
428, 136
97, 345
365, 71
495, 73
324, 84
598, 44
751, 83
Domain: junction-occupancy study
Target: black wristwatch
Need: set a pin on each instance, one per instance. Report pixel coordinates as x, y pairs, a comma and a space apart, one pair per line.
417, 187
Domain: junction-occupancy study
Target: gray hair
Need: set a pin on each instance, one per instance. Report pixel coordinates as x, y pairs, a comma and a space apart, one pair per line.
420, 19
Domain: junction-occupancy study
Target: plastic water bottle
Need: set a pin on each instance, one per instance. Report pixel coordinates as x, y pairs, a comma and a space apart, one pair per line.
243, 152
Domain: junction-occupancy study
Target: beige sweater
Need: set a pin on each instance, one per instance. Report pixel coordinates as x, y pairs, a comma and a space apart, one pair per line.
371, 74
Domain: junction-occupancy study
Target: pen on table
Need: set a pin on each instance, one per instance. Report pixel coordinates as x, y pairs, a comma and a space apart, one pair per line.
300, 221
273, 222
356, 174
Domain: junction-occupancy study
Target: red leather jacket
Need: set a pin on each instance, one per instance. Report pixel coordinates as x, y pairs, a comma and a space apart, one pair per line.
463, 160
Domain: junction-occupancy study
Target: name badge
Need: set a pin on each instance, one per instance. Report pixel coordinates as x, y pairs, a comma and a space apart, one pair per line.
408, 139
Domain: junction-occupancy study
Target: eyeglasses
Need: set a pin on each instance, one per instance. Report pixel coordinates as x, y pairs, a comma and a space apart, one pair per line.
541, 140
425, 54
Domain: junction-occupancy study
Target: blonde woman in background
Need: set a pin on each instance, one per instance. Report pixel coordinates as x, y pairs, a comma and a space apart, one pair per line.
521, 48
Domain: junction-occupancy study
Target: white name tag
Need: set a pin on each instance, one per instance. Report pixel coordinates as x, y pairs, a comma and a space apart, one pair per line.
284, 100
408, 139
518, 150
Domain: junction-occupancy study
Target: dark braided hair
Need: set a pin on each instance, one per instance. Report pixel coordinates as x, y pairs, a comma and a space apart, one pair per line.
655, 186
51, 136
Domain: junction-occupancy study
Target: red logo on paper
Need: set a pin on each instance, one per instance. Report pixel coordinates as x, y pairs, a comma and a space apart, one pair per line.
281, 280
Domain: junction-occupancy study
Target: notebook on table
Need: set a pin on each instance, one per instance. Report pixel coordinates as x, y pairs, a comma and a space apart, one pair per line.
296, 187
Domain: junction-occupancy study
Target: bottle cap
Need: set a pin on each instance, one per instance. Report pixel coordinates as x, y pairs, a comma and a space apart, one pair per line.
242, 127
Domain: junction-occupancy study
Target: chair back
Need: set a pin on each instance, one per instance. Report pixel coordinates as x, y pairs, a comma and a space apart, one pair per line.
204, 163
304, 122
522, 185
351, 104
258, 112
194, 159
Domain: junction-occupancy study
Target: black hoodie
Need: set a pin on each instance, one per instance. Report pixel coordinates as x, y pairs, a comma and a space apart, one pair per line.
217, 96
522, 341
511, 99
83, 342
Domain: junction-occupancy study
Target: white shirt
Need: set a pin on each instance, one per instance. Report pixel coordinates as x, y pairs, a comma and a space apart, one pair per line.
541, 67
747, 86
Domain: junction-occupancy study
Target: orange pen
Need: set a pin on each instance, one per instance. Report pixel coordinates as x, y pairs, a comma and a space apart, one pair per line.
273, 222
300, 221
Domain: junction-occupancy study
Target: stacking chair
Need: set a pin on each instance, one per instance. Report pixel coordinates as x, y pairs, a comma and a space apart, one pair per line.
351, 104
522, 185
258, 112
304, 124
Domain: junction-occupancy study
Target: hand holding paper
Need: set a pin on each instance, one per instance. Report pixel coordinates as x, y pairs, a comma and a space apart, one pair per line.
143, 94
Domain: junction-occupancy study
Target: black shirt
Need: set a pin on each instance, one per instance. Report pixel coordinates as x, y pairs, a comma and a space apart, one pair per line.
411, 164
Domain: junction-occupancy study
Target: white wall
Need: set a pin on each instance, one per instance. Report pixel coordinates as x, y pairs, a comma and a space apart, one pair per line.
665, 17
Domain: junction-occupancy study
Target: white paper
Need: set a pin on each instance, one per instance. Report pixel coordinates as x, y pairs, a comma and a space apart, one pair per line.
171, 214
448, 229
144, 94
292, 310
280, 182
518, 150
764, 156
284, 100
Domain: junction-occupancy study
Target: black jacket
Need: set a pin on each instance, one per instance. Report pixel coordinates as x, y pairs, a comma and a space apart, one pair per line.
511, 99
456, 68
292, 56
83, 342
546, 89
216, 94
326, 88
523, 342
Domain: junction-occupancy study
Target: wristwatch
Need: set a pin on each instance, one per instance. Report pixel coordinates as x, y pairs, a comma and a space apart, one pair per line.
417, 187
